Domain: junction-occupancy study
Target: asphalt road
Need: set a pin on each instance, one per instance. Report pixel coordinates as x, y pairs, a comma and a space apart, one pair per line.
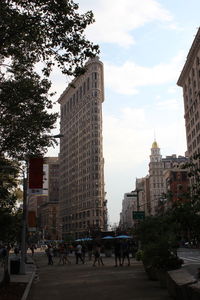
191, 259
84, 281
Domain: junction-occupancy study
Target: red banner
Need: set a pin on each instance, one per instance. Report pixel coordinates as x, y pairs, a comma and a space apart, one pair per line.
31, 219
36, 173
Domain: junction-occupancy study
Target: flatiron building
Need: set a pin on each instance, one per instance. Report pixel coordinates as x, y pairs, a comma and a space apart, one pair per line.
82, 197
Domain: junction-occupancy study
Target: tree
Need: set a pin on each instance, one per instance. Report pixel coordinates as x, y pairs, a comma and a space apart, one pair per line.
25, 124
9, 171
45, 31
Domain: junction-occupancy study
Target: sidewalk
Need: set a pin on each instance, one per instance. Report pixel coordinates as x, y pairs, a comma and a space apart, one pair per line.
83, 281
25, 278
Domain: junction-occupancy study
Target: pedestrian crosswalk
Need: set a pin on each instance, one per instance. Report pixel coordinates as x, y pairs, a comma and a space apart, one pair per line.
190, 259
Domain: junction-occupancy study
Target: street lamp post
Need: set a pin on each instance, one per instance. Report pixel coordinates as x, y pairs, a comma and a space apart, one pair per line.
24, 221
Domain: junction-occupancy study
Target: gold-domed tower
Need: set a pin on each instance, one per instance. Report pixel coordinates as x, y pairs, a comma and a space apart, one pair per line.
156, 181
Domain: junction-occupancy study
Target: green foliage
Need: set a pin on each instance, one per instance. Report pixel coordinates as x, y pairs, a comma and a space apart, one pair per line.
9, 171
10, 224
159, 243
45, 31
31, 32
160, 256
25, 123
139, 255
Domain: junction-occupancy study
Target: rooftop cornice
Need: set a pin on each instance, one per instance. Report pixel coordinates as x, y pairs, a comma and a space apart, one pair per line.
191, 54
72, 84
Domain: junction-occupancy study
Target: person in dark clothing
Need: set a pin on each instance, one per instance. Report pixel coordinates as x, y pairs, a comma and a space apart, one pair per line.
97, 256
49, 252
118, 253
125, 252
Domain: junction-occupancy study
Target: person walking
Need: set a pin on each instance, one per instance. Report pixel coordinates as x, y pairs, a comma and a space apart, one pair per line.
118, 253
65, 256
32, 248
78, 253
125, 252
83, 251
89, 248
49, 252
97, 256
61, 254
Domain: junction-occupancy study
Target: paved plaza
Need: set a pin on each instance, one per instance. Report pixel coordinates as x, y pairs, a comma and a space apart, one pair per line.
83, 281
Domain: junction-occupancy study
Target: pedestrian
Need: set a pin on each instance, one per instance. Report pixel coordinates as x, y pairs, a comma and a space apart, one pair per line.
125, 252
83, 251
61, 254
97, 256
65, 256
90, 247
32, 248
49, 252
118, 253
78, 253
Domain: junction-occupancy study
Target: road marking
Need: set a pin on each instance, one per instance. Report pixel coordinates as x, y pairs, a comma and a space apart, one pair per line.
190, 259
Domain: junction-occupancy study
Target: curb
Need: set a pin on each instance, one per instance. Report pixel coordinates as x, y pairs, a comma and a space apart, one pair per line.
28, 287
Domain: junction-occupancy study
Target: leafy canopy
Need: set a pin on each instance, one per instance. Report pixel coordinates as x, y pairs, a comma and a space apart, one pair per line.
48, 32
45, 30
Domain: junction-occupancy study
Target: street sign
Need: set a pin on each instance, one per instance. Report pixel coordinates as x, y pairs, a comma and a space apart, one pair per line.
138, 215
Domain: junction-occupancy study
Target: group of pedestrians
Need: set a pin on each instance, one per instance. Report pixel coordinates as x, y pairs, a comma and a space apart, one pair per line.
62, 252
121, 253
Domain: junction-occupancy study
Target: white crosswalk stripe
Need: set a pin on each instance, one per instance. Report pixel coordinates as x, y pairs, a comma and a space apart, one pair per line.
190, 259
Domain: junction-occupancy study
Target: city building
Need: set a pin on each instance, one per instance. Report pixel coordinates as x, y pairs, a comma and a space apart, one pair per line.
189, 80
143, 192
48, 211
129, 205
177, 185
157, 185
82, 196
153, 188
45, 204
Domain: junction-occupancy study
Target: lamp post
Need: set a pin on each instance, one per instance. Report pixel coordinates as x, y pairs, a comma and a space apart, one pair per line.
24, 219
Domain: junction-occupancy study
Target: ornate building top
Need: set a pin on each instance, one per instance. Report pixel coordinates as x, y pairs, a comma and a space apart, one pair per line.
155, 145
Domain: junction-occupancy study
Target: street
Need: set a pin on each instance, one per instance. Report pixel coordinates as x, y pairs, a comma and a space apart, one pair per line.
100, 283
191, 259
190, 256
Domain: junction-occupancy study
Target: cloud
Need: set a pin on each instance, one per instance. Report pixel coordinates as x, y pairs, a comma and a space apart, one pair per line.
116, 19
128, 77
125, 136
169, 104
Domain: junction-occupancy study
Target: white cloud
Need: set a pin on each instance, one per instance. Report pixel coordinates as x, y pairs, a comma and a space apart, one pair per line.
125, 136
172, 89
116, 19
169, 104
126, 78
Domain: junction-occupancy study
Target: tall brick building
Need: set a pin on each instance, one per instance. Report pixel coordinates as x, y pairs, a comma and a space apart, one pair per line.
189, 80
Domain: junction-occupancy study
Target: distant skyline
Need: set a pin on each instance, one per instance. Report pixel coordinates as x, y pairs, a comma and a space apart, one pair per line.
144, 44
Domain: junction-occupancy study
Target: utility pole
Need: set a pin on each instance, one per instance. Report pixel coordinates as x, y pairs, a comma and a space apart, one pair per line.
24, 224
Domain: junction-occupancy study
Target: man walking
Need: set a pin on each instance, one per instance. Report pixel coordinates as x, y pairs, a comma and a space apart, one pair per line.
78, 253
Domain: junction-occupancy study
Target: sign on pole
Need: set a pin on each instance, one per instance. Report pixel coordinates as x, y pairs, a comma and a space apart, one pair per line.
138, 215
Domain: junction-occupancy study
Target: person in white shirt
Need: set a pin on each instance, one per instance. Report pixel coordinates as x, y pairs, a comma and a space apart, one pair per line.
78, 253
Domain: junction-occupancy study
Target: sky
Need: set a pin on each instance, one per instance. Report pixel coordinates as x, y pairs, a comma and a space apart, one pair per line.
144, 45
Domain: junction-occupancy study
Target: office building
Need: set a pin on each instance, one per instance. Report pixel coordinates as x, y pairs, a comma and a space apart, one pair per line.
189, 80
152, 189
156, 183
129, 205
82, 197
44, 203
